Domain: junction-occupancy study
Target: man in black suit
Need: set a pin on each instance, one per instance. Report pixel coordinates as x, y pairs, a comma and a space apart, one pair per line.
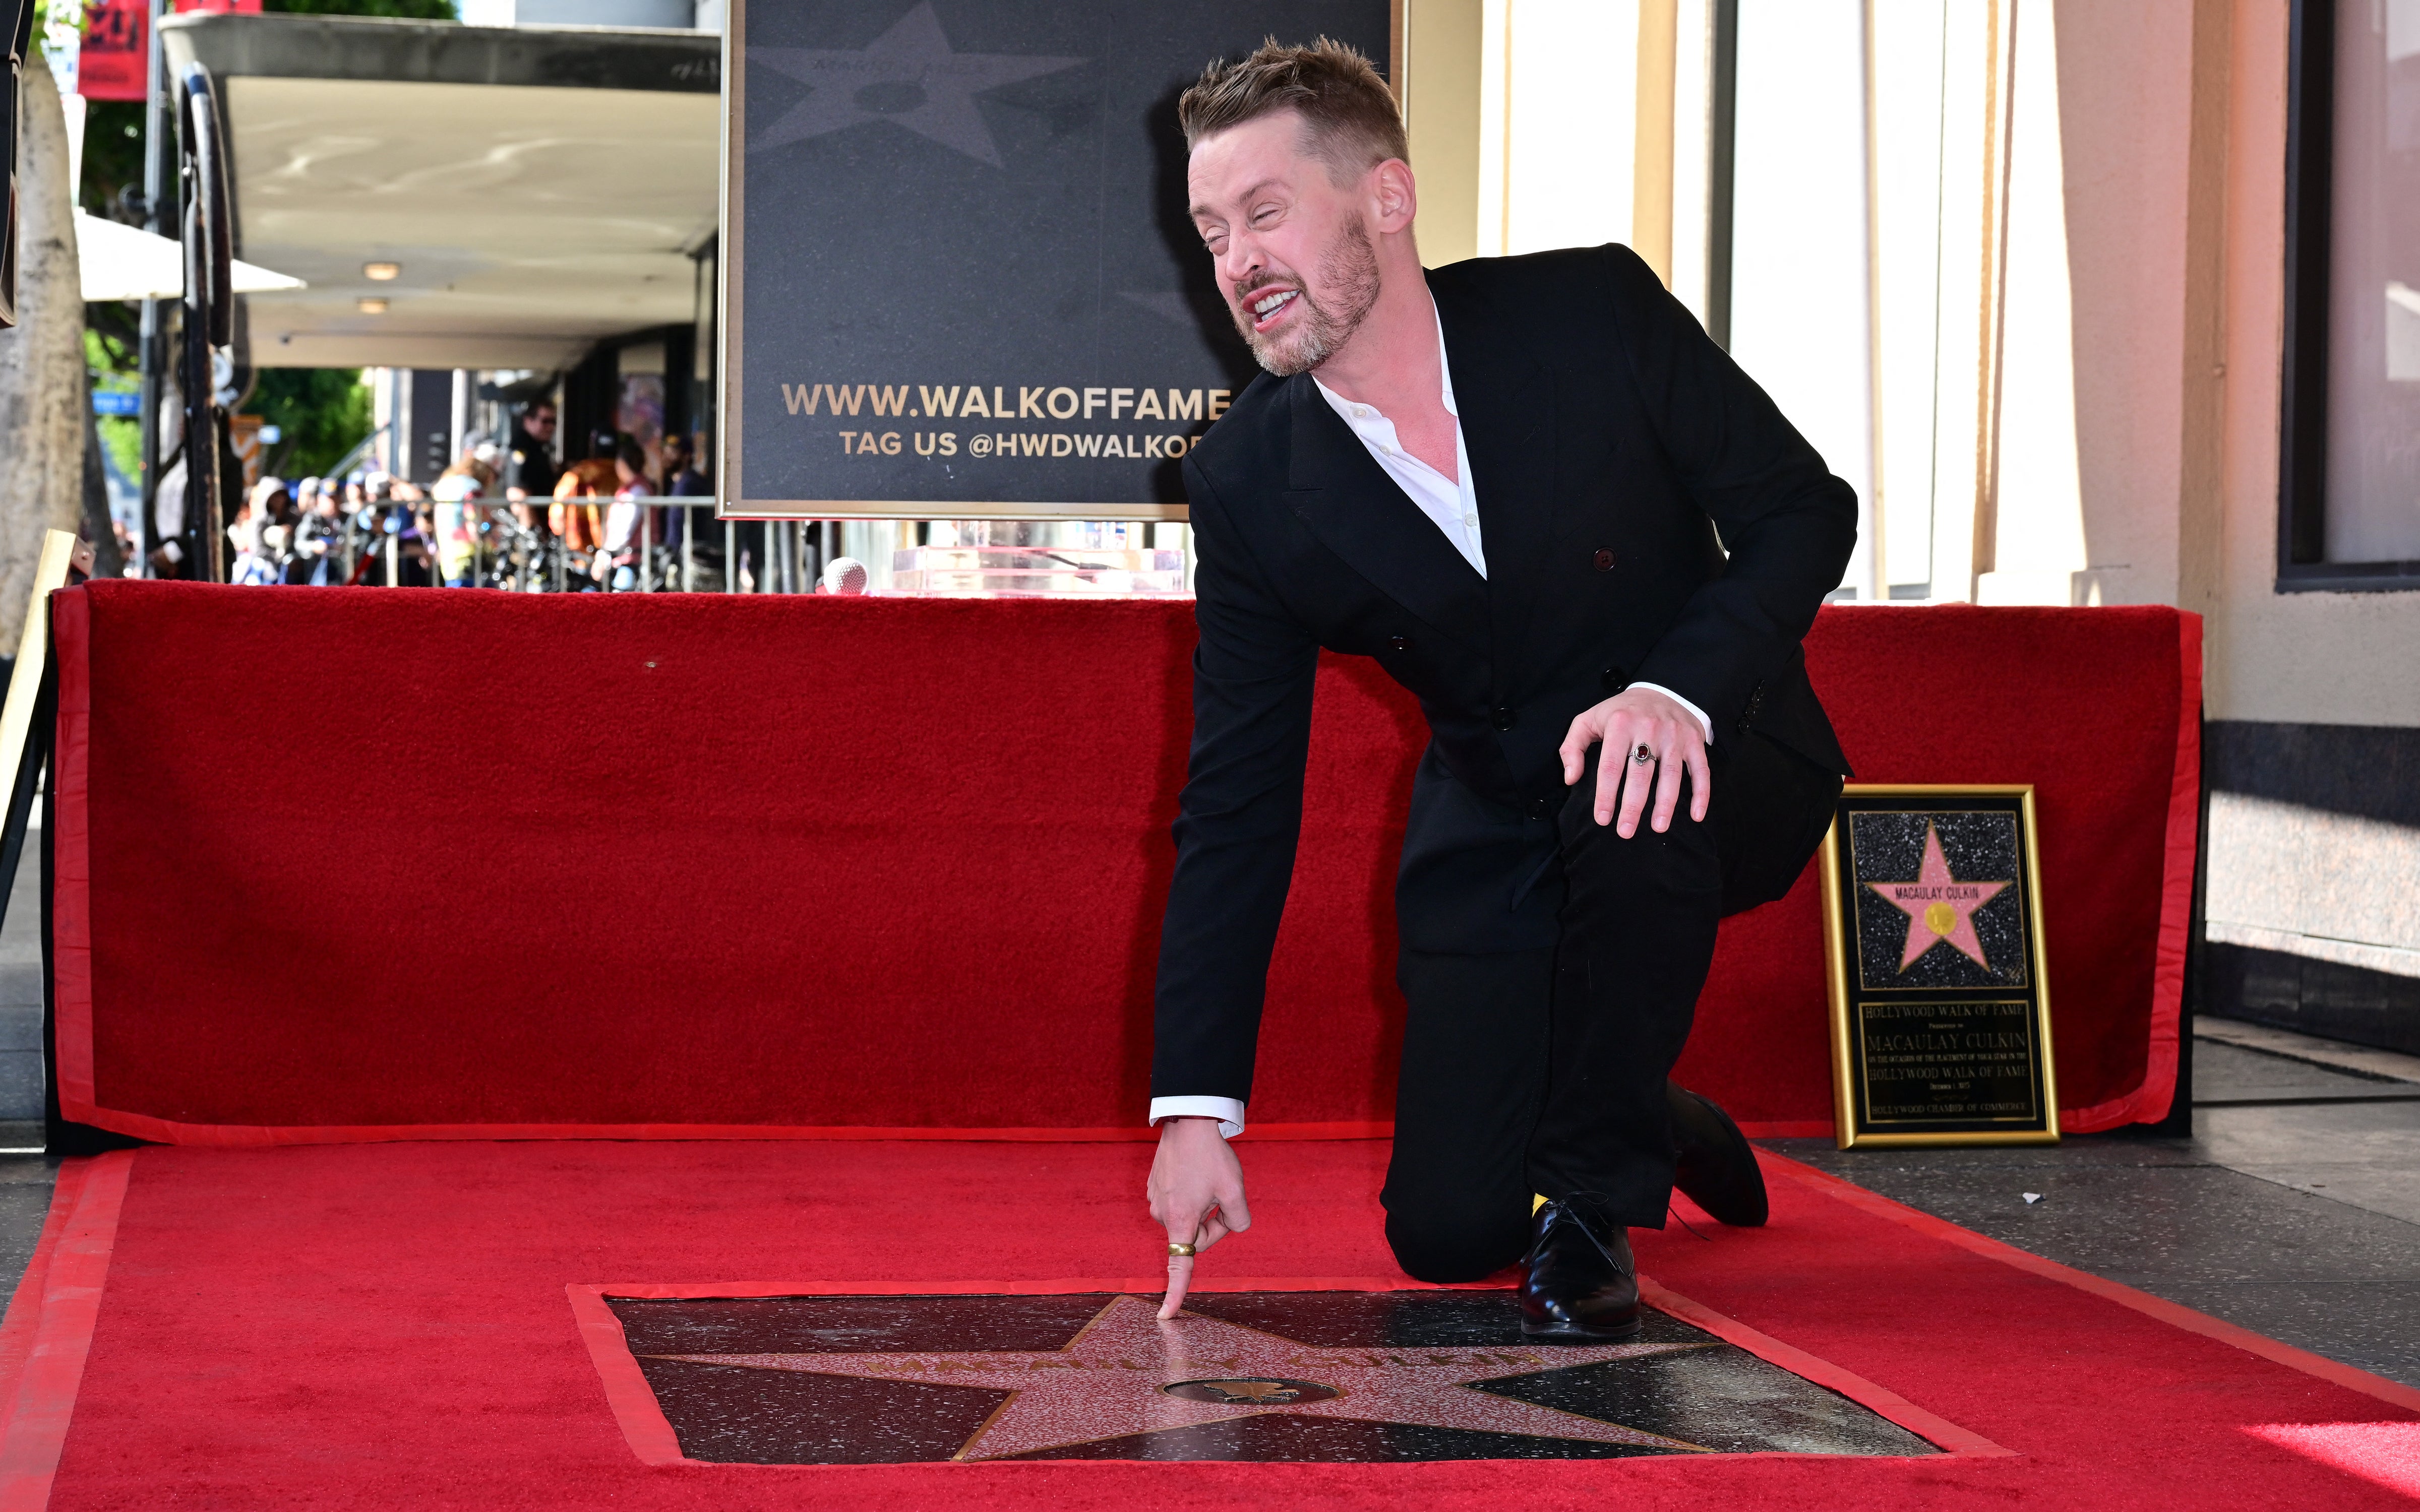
1536, 492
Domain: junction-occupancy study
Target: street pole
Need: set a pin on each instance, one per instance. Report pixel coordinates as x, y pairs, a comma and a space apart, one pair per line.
155, 144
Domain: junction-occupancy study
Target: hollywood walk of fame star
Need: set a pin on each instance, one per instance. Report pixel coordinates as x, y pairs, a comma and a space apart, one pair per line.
907, 76
1938, 907
1109, 1382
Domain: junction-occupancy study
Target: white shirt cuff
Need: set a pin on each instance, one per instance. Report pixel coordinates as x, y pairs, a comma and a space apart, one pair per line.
1229, 1112
1705, 726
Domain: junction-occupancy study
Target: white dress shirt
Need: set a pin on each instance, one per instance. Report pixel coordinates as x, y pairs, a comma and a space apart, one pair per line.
1454, 508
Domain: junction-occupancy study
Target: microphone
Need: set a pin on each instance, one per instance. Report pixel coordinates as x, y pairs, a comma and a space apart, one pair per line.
843, 574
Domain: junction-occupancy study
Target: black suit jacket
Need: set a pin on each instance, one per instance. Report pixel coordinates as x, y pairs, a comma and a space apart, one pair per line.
1609, 441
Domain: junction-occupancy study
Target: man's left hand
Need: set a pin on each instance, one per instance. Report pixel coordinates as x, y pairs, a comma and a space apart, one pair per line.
1628, 723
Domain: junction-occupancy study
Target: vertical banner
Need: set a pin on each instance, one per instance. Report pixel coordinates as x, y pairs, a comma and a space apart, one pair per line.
116, 40
958, 275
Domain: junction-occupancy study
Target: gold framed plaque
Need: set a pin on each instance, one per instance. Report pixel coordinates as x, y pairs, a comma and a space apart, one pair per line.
1940, 995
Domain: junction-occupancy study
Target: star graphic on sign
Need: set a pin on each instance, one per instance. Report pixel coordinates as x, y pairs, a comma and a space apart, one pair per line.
907, 76
1126, 1373
1938, 907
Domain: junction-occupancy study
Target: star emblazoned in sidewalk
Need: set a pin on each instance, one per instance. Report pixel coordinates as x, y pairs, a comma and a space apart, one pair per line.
1125, 1373
1250, 1376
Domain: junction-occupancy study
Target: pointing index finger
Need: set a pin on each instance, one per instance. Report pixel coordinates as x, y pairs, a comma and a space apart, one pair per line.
1180, 1268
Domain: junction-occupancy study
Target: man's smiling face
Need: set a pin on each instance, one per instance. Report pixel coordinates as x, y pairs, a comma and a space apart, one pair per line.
1294, 261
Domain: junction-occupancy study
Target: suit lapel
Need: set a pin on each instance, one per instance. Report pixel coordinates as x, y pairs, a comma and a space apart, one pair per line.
1506, 401
1346, 499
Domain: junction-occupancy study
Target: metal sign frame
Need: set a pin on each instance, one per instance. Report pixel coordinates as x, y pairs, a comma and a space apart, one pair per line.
1856, 1126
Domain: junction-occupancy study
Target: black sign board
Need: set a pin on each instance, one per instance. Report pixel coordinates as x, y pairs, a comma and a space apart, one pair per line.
1932, 935
958, 278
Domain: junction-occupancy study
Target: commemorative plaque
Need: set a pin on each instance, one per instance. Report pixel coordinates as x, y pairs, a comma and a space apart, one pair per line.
958, 279
1932, 934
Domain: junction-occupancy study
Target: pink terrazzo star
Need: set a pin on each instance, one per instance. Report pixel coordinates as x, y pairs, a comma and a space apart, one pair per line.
1938, 907
1106, 1383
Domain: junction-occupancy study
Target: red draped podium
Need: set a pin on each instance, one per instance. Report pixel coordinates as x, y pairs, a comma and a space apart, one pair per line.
373, 864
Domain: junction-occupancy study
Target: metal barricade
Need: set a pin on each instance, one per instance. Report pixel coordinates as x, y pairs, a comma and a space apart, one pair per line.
790, 558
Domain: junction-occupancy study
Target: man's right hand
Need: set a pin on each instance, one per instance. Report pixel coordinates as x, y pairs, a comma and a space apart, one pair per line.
1197, 1194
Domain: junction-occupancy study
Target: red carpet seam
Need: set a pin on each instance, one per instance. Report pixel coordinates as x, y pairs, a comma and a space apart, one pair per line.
2151, 1100
1877, 1400
233, 1135
94, 621
72, 853
24, 1317
73, 1262
239, 1135
651, 1438
2172, 1314
628, 1395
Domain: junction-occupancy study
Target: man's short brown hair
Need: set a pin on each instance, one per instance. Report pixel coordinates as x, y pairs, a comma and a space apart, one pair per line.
1349, 115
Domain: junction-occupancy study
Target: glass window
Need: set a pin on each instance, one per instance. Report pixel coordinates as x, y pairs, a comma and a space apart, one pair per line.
2371, 511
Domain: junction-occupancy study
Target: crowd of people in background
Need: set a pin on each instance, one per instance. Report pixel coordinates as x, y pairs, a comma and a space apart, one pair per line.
503, 516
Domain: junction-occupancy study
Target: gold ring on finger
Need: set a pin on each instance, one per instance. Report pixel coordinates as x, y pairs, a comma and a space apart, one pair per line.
1180, 1252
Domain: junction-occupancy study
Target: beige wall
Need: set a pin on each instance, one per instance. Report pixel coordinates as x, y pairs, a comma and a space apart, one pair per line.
2125, 87
2170, 130
2179, 454
1443, 43
2323, 658
2137, 299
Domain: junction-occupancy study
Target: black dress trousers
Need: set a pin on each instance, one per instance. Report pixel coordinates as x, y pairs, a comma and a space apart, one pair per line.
1540, 1068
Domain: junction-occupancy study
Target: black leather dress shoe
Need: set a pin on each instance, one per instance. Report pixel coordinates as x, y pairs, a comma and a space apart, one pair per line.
1716, 1167
1580, 1285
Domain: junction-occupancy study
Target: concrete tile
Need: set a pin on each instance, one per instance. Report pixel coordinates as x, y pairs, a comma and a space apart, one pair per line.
2367, 1325
20, 1028
2184, 1223
24, 1201
2365, 1154
2361, 1059
20, 1083
2225, 1073
2340, 1278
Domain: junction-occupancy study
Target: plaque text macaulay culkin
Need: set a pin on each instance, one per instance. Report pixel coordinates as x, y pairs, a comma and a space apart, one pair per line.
1940, 1011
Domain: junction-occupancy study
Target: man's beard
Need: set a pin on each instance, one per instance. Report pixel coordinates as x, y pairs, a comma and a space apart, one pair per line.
1348, 270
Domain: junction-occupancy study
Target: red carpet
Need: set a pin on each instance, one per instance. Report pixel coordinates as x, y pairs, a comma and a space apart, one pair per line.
855, 866
388, 1325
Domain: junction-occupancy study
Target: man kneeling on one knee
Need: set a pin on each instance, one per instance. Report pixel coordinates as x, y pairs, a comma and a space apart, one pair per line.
1551, 508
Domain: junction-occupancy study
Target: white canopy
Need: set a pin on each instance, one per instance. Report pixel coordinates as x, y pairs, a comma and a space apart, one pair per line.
124, 262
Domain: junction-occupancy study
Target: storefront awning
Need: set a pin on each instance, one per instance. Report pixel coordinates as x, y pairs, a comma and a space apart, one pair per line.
525, 191
126, 262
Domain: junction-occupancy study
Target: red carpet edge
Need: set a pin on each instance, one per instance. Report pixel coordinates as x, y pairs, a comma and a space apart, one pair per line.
2173, 1314
249, 1137
48, 1331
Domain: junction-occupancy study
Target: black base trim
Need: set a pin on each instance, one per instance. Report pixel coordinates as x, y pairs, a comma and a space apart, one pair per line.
2335, 1002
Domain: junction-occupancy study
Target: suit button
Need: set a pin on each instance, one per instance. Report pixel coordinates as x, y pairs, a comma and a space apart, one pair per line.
1400, 642
1604, 559
1614, 679
1542, 809
1742, 728
1505, 717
